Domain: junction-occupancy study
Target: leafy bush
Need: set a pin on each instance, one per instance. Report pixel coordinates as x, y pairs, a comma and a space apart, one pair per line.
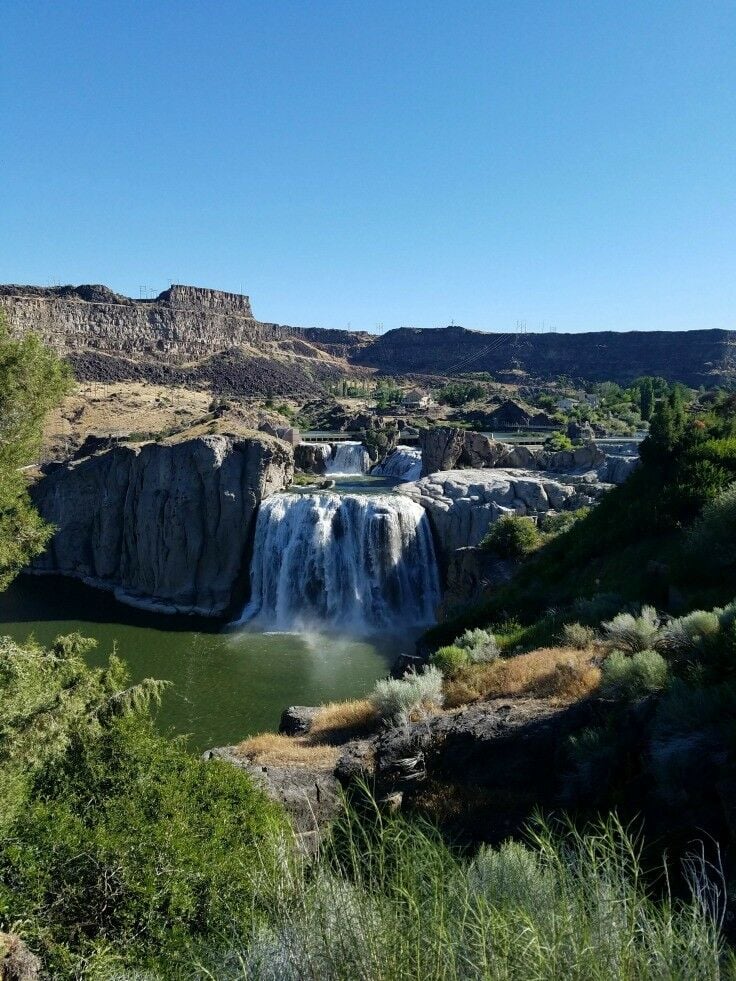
117, 842
511, 537
578, 636
712, 539
397, 700
557, 442
633, 677
480, 644
449, 659
557, 523
633, 633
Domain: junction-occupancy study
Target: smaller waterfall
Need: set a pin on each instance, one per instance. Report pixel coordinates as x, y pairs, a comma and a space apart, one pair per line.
355, 562
349, 459
404, 463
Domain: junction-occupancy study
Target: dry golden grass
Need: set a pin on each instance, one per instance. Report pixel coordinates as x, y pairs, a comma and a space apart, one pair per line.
270, 748
558, 673
334, 723
339, 720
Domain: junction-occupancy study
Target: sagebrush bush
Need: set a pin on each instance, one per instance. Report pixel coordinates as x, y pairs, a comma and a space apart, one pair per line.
449, 659
629, 677
684, 635
480, 644
633, 633
397, 700
512, 537
577, 635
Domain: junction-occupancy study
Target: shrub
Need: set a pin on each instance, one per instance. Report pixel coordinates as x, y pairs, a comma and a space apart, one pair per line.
557, 523
633, 677
480, 644
578, 636
511, 537
593, 609
712, 539
683, 635
631, 633
557, 442
449, 659
397, 700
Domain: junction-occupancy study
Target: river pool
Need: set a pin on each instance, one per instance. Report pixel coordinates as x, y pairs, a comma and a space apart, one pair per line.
226, 685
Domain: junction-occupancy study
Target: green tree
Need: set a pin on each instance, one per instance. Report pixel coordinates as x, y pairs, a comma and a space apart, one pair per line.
116, 844
646, 399
32, 381
665, 431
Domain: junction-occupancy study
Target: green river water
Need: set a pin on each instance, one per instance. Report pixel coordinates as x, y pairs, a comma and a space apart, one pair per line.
226, 685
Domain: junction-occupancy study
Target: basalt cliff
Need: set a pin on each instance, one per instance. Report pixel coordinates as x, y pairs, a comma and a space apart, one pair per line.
109, 336
165, 527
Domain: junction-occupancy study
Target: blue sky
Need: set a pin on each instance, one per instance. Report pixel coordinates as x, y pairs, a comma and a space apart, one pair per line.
566, 163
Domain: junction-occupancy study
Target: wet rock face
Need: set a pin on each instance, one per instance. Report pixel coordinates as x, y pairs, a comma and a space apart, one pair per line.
312, 457
165, 527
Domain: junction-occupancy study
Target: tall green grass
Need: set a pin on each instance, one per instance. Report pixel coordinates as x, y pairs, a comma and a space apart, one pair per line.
389, 900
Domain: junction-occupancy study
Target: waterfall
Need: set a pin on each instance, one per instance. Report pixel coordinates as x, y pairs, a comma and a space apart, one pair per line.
349, 459
405, 463
353, 561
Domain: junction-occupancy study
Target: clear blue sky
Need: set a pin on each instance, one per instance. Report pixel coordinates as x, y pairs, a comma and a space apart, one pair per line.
392, 161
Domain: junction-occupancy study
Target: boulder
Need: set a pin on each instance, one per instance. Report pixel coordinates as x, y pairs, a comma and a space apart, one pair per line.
163, 526
296, 720
17, 963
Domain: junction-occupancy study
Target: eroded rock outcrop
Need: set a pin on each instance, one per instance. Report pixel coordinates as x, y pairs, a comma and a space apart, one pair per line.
164, 526
462, 504
448, 448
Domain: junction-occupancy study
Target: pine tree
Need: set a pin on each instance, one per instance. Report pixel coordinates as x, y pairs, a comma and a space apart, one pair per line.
32, 381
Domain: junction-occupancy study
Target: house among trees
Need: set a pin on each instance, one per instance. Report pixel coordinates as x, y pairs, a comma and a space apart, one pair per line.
416, 399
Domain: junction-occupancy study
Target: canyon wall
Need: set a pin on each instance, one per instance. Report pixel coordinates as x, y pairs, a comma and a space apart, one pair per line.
187, 322
182, 322
694, 357
163, 526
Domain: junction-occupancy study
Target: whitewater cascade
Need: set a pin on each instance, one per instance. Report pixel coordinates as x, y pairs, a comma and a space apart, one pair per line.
404, 463
353, 561
349, 459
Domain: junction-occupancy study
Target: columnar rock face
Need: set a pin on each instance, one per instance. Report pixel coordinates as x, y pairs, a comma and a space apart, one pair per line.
462, 504
183, 322
166, 527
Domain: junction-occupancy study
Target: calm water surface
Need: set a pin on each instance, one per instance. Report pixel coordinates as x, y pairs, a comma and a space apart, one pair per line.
226, 685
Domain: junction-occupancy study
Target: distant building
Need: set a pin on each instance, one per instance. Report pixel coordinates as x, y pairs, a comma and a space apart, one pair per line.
567, 404
416, 399
592, 400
